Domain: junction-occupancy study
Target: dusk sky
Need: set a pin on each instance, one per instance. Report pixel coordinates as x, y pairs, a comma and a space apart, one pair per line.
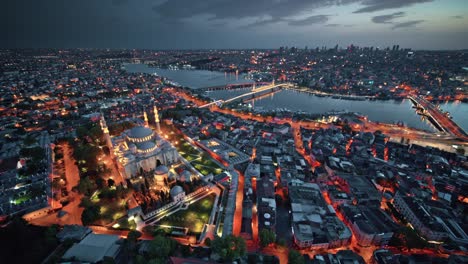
193, 24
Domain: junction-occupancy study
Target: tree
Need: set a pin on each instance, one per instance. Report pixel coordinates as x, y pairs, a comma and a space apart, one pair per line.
229, 247
185, 250
86, 186
281, 242
156, 261
139, 259
50, 235
267, 237
110, 182
90, 214
132, 239
208, 242
295, 257
133, 235
86, 202
120, 192
161, 247
29, 140
100, 182
107, 193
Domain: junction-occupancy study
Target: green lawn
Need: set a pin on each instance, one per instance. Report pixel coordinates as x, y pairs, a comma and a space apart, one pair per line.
22, 199
124, 224
194, 218
200, 160
111, 210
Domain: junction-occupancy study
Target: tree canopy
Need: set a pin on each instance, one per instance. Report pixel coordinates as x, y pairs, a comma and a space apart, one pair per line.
229, 247
161, 247
267, 237
295, 257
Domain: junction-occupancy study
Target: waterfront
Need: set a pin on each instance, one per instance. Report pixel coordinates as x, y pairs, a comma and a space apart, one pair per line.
190, 78
389, 111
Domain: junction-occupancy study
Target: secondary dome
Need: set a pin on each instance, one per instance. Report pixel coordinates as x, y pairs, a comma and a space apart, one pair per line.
146, 146
140, 132
161, 170
176, 190
186, 176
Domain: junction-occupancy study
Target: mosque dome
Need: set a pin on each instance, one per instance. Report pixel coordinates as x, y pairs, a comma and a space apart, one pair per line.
160, 170
176, 190
185, 176
146, 146
140, 134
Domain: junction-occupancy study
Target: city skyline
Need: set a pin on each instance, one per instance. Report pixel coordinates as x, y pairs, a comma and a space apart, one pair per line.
221, 131
417, 24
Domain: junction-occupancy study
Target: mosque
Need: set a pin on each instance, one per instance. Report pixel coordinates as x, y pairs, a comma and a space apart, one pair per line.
140, 149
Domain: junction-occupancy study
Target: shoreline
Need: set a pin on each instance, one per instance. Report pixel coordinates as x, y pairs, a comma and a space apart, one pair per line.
307, 89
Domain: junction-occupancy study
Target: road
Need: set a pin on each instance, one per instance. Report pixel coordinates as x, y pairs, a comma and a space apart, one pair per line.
73, 216
387, 129
237, 223
257, 90
420, 137
447, 124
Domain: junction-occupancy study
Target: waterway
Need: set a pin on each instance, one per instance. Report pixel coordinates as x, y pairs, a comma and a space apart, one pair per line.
389, 111
190, 78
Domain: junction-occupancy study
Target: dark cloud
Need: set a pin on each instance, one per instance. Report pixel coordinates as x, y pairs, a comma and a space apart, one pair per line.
119, 2
457, 17
387, 19
262, 22
407, 24
229, 9
317, 19
175, 24
378, 5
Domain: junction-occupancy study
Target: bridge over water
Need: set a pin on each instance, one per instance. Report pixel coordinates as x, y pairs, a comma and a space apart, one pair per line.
440, 120
232, 86
255, 90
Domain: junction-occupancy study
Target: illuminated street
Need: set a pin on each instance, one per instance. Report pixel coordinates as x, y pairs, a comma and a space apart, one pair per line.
281, 132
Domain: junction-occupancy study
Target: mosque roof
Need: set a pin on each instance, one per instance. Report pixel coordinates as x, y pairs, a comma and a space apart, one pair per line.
162, 169
140, 132
176, 190
146, 145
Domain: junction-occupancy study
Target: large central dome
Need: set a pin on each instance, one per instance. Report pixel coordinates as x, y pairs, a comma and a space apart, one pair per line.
140, 134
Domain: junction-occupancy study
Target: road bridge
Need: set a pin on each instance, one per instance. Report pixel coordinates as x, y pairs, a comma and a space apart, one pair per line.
441, 120
255, 90
232, 86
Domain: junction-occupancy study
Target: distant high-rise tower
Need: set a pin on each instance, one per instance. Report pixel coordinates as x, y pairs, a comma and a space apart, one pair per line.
156, 118
145, 117
105, 131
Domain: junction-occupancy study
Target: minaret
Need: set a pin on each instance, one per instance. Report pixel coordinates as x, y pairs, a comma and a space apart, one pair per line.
156, 118
105, 131
145, 117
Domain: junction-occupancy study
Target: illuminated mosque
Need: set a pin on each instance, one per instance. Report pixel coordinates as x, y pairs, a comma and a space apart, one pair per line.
140, 149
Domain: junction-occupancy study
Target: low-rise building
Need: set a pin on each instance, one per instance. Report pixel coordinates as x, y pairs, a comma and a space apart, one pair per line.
419, 217
95, 248
370, 226
314, 222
